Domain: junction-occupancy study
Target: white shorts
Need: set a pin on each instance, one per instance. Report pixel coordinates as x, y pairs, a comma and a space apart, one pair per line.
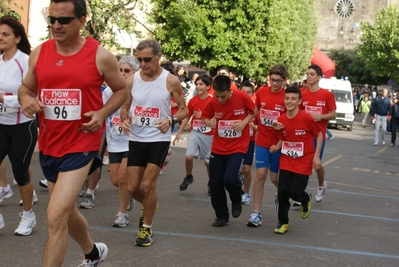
199, 144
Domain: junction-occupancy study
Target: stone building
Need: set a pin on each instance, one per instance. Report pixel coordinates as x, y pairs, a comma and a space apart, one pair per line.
340, 21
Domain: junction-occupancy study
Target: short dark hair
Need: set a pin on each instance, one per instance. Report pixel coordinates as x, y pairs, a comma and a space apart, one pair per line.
221, 83
279, 69
205, 79
317, 69
293, 89
79, 10
167, 65
247, 83
19, 31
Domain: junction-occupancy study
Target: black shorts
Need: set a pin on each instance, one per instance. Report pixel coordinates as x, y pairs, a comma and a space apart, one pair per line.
116, 157
141, 153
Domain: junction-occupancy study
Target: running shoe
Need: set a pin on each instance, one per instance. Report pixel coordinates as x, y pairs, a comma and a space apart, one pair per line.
97, 187
330, 138
83, 189
255, 219
296, 204
26, 224
236, 209
1, 221
102, 250
105, 160
88, 202
43, 183
186, 182
34, 200
281, 228
144, 237
321, 193
130, 204
305, 210
121, 220
246, 199
219, 222
5, 192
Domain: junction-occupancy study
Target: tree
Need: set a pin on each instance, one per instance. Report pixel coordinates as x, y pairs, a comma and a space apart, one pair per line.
248, 36
380, 43
8, 7
105, 15
349, 63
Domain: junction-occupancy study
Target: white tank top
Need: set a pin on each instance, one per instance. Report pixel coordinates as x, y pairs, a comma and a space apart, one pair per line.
12, 72
151, 102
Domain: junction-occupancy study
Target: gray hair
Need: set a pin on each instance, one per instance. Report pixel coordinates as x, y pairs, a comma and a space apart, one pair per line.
156, 48
132, 61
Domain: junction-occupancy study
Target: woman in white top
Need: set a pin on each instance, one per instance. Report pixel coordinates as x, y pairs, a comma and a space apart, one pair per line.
18, 133
118, 145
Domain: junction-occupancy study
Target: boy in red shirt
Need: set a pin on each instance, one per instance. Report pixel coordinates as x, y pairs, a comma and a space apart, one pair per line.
229, 113
297, 130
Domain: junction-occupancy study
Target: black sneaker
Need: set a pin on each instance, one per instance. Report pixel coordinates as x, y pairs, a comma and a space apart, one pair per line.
219, 222
236, 209
144, 237
186, 182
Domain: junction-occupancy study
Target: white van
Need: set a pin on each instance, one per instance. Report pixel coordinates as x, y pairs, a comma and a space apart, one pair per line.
342, 90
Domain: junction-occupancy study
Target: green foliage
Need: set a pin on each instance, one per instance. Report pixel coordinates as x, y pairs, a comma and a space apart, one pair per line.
380, 43
248, 36
8, 7
104, 15
349, 63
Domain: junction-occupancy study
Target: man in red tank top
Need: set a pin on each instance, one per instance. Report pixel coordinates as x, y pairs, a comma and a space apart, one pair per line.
72, 116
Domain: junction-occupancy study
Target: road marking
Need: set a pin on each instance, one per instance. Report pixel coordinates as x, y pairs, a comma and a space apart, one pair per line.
267, 243
332, 160
380, 151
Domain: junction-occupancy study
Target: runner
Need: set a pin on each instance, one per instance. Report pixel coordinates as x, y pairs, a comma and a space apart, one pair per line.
270, 103
150, 130
201, 136
320, 103
229, 113
71, 115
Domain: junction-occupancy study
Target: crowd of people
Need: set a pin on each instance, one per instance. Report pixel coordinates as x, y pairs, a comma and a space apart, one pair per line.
144, 107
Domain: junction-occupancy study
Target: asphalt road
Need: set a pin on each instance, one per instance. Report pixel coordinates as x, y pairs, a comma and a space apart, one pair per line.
356, 225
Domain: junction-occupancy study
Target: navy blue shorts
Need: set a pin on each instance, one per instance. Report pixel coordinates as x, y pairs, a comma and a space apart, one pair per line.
249, 157
51, 166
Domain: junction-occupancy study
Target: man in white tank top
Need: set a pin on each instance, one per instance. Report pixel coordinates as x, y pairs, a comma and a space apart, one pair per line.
149, 127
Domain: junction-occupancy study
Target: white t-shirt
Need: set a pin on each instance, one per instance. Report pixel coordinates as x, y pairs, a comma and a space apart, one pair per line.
12, 73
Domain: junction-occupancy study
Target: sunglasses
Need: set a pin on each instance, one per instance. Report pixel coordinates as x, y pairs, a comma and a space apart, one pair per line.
145, 59
61, 20
125, 70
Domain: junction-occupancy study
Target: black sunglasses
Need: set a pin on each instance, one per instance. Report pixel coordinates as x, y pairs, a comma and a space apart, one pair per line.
61, 20
125, 70
145, 59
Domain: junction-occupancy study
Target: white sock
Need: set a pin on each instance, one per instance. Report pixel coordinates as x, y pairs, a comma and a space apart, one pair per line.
27, 214
147, 226
90, 192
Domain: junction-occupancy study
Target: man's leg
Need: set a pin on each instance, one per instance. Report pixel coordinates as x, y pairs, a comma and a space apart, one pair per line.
150, 197
62, 216
377, 128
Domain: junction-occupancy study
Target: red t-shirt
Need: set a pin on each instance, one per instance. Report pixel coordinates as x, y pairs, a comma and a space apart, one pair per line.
322, 102
227, 141
195, 107
69, 86
297, 149
252, 132
271, 106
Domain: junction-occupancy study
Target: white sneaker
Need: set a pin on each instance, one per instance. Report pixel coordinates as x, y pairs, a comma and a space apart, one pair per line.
1, 221
26, 225
130, 204
34, 200
97, 187
105, 160
121, 220
102, 250
246, 199
321, 193
5, 192
43, 183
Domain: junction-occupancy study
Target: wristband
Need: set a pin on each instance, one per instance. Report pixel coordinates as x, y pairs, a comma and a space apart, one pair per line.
170, 120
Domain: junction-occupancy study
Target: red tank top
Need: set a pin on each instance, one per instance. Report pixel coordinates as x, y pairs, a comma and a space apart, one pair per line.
69, 86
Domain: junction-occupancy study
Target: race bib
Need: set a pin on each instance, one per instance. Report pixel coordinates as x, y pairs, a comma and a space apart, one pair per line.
62, 104
7, 110
311, 109
267, 117
292, 149
199, 126
146, 116
116, 123
226, 130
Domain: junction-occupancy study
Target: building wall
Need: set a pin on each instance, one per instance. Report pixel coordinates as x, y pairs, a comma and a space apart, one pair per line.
340, 21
